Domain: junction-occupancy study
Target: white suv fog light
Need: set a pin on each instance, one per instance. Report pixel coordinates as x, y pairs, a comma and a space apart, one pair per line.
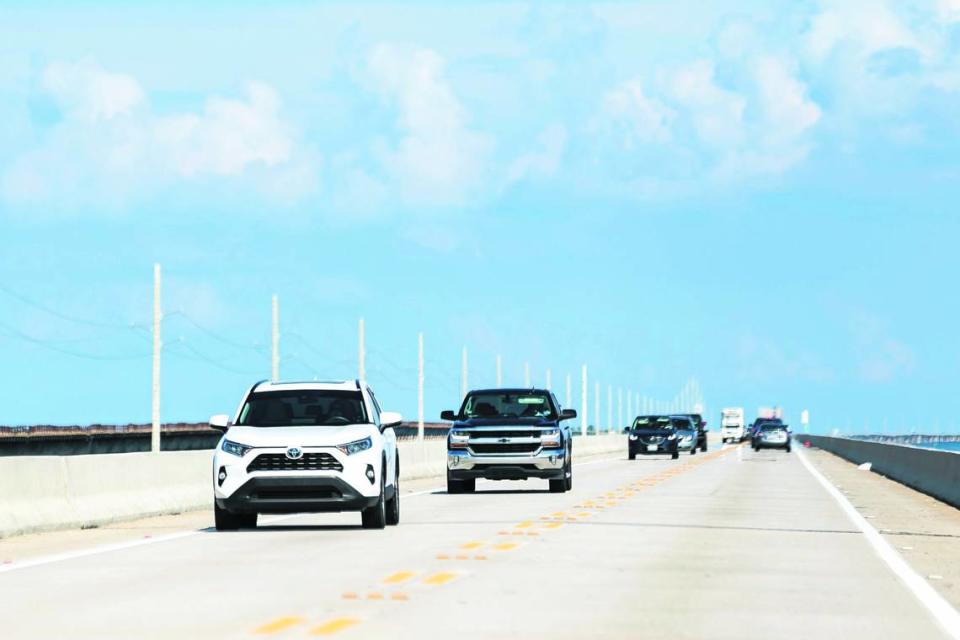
371, 476
222, 476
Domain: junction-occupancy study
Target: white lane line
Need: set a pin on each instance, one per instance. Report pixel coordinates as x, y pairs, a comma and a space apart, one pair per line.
119, 546
942, 611
107, 548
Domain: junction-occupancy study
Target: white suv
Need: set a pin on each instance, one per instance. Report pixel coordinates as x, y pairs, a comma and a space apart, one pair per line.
307, 447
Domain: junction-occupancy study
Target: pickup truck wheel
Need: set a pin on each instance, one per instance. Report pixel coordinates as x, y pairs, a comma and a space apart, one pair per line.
693, 451
674, 455
393, 504
631, 456
558, 486
469, 485
569, 476
453, 485
375, 517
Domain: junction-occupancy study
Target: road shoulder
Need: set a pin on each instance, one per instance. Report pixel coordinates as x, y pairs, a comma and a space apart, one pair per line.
925, 531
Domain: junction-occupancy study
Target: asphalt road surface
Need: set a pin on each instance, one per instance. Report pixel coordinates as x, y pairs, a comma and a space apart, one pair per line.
729, 544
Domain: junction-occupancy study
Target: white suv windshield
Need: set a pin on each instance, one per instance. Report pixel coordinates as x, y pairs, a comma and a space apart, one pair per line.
306, 408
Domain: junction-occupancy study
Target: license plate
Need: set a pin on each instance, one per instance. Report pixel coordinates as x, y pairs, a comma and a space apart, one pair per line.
652, 447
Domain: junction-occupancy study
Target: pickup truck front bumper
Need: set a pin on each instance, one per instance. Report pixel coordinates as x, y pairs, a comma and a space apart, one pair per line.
546, 463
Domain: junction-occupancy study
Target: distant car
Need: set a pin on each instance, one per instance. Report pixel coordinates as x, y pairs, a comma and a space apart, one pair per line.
772, 435
701, 426
509, 434
652, 435
687, 433
306, 447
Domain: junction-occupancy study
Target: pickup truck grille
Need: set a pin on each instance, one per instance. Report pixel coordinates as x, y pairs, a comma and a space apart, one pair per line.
521, 447
280, 462
487, 433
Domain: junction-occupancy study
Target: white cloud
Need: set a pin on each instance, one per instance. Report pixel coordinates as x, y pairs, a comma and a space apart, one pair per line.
643, 119
948, 11
111, 147
87, 92
439, 159
228, 136
543, 162
779, 139
717, 113
865, 26
692, 127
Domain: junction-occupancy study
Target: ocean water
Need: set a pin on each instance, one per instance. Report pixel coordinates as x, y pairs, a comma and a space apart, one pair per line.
942, 446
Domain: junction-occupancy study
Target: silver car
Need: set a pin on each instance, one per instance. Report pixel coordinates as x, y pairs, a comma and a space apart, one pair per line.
686, 434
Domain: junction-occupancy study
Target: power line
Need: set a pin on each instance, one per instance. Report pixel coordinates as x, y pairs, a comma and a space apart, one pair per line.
62, 316
46, 344
230, 343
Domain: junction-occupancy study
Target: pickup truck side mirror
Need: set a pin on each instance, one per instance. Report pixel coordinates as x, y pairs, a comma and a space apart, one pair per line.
220, 422
626, 429
448, 415
568, 414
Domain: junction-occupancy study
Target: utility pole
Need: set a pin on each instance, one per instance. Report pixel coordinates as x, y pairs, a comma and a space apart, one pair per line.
361, 352
464, 372
157, 345
610, 408
275, 342
583, 401
499, 372
620, 424
569, 398
526, 375
596, 408
420, 386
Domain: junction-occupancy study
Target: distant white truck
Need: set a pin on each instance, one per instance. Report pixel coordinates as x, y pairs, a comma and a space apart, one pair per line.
731, 424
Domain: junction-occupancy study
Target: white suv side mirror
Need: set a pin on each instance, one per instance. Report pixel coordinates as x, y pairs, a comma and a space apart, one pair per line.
390, 419
220, 422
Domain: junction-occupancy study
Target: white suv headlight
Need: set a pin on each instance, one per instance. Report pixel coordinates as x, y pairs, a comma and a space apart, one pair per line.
235, 448
356, 446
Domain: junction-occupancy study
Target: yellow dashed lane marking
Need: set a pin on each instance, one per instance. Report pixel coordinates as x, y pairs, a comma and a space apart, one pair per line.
471, 545
553, 525
439, 578
333, 626
279, 624
399, 577
506, 546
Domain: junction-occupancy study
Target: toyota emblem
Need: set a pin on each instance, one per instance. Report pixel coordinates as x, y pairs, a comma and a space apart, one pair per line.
294, 453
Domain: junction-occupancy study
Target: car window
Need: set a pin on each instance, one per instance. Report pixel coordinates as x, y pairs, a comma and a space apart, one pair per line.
303, 408
499, 404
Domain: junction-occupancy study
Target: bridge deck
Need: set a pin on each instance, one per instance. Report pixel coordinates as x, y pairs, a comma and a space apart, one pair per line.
732, 544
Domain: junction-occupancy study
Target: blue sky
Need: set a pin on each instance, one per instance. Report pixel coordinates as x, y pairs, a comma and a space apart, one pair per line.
758, 195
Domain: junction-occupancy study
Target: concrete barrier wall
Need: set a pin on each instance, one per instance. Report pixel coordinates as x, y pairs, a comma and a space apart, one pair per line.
936, 473
39, 493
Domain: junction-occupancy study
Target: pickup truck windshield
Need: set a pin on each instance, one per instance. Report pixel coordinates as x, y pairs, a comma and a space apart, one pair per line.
508, 405
306, 408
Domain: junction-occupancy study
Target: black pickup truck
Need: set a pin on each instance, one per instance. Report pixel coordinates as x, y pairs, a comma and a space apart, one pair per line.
509, 434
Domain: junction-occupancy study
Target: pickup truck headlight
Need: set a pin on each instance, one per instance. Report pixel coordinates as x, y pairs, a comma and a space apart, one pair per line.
550, 439
672, 436
356, 446
235, 448
459, 439
633, 436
